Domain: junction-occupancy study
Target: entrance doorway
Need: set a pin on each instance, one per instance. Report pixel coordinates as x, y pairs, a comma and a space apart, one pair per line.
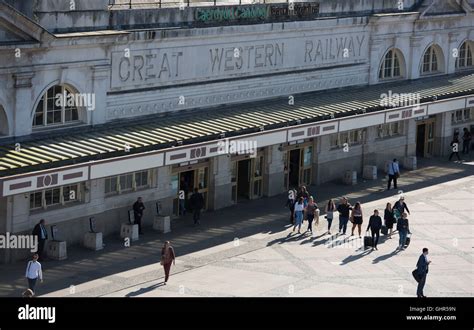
184, 183
425, 138
247, 177
298, 167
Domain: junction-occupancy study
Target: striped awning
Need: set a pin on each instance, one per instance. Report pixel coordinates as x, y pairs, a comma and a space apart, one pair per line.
153, 133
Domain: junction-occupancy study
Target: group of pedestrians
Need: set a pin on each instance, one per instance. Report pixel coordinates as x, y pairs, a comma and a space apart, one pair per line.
302, 206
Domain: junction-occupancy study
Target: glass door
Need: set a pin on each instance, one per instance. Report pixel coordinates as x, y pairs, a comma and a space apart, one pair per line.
256, 176
202, 182
429, 138
306, 159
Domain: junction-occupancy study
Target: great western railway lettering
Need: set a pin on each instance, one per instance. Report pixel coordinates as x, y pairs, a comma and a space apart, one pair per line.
193, 63
322, 50
247, 57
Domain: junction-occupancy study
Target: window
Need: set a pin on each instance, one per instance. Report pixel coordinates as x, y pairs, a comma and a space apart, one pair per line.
461, 115
56, 107
464, 59
390, 67
127, 182
389, 130
431, 61
350, 137
58, 196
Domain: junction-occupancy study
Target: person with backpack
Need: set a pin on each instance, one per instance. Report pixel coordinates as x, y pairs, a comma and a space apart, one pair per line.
375, 224
393, 173
466, 141
196, 202
330, 208
403, 230
33, 272
400, 207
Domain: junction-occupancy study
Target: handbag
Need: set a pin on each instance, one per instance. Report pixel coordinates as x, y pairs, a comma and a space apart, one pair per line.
416, 275
396, 174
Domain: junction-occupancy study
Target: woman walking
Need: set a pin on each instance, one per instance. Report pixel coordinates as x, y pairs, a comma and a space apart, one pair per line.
298, 214
311, 209
330, 208
356, 218
375, 224
403, 230
290, 203
167, 257
389, 219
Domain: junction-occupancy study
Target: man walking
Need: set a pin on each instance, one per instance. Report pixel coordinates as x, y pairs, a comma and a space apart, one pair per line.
422, 269
375, 224
197, 204
138, 208
33, 272
393, 173
343, 209
42, 235
466, 141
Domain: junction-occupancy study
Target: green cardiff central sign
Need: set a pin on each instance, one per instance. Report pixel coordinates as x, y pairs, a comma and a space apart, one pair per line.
256, 12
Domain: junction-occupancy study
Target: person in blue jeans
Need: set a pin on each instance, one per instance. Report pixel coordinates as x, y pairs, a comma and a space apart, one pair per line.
344, 209
403, 230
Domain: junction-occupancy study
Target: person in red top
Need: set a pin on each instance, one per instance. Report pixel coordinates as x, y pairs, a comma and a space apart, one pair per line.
167, 258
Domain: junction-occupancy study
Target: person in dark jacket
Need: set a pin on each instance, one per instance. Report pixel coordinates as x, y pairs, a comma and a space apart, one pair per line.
290, 203
400, 207
40, 231
375, 224
466, 141
389, 219
455, 148
138, 208
196, 202
303, 192
403, 230
343, 209
422, 268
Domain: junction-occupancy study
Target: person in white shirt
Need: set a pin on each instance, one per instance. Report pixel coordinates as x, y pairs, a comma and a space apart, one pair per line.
33, 272
298, 214
393, 173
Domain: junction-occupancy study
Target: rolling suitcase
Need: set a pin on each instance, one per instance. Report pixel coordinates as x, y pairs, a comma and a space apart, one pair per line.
384, 230
368, 241
407, 241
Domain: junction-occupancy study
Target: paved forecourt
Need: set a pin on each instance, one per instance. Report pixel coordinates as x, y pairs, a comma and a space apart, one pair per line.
273, 263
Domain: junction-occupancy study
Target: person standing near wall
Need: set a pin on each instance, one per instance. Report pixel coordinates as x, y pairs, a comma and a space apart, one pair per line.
167, 258
138, 208
42, 234
33, 272
455, 147
196, 202
330, 208
393, 173
466, 141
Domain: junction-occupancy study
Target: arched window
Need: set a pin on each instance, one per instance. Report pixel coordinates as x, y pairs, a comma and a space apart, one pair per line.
57, 106
432, 61
464, 59
392, 65
3, 122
